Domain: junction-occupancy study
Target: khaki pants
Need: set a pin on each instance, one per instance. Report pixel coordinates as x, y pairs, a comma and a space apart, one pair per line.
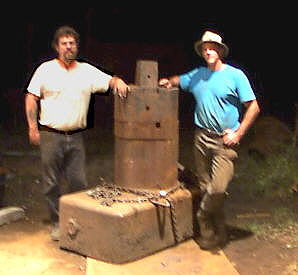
214, 163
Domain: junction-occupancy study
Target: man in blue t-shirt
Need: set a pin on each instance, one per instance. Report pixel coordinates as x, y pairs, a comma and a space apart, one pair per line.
220, 92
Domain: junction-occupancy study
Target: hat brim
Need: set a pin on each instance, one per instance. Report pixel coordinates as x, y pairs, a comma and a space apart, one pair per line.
198, 47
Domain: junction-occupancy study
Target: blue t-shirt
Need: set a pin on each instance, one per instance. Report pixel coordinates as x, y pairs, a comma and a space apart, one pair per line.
219, 96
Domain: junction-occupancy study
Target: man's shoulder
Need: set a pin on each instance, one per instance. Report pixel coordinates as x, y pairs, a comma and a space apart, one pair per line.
94, 69
42, 67
48, 63
235, 73
84, 63
195, 71
86, 66
234, 70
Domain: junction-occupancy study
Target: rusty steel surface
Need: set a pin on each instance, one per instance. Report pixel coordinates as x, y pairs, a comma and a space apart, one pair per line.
146, 133
146, 74
125, 231
146, 210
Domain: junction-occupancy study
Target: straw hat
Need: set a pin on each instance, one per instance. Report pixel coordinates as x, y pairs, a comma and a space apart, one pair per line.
209, 36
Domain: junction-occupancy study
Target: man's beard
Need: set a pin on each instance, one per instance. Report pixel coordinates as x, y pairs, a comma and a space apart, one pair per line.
70, 56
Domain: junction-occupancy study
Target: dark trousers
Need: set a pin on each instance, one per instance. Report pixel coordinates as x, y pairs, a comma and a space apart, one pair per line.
61, 156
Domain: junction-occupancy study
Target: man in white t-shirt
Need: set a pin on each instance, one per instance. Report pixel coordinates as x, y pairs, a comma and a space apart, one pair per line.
56, 103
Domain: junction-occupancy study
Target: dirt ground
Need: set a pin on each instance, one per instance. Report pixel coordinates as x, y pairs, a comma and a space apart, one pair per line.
250, 254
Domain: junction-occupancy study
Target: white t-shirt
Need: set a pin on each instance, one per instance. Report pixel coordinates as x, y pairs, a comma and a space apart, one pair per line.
65, 94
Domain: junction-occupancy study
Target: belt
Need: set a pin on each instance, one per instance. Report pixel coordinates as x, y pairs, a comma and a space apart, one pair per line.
49, 129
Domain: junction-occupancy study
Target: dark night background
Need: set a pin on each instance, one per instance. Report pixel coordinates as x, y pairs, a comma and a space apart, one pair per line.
114, 36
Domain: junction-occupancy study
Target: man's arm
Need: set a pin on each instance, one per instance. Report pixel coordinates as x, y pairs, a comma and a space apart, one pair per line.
31, 108
170, 82
118, 86
252, 110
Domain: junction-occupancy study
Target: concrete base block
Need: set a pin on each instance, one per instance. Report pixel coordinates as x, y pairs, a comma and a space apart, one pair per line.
123, 232
11, 214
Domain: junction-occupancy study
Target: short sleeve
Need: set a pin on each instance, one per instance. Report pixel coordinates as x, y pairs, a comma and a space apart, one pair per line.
244, 89
35, 83
100, 80
186, 78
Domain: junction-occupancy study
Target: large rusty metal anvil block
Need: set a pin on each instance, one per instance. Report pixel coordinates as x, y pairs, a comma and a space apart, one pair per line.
124, 231
149, 210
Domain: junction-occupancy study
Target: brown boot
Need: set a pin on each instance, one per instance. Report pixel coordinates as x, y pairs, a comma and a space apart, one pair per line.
220, 228
207, 239
211, 222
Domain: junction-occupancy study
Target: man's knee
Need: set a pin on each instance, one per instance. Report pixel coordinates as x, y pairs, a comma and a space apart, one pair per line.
212, 202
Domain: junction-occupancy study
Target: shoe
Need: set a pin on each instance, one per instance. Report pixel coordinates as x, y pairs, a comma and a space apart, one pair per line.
221, 228
208, 238
55, 233
211, 221
212, 239
208, 243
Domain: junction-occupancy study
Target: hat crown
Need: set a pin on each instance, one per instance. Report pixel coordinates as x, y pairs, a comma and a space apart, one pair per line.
212, 37
209, 36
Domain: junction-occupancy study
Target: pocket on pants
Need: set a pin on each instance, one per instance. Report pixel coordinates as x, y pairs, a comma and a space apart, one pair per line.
230, 153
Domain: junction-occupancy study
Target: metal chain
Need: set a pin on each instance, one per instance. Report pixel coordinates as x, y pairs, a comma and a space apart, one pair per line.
109, 193
177, 236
